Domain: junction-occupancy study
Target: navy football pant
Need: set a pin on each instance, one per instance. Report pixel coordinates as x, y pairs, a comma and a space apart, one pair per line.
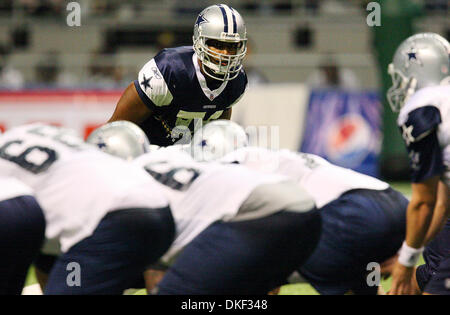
432, 276
244, 257
360, 227
439, 283
115, 256
22, 232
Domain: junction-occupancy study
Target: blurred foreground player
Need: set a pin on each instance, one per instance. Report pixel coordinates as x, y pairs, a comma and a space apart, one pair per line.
237, 231
362, 217
22, 233
107, 216
184, 87
420, 91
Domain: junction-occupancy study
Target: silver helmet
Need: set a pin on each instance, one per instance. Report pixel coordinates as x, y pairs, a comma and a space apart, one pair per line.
216, 139
123, 139
223, 24
421, 60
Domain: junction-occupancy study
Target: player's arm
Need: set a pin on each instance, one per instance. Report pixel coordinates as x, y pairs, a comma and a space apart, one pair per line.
420, 135
420, 211
226, 114
418, 218
425, 217
441, 212
144, 96
130, 107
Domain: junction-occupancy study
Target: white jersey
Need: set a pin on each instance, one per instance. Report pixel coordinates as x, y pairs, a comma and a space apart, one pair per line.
200, 193
414, 129
324, 181
10, 188
75, 184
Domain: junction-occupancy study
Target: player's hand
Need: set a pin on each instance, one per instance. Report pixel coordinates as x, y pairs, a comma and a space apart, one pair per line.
387, 266
402, 281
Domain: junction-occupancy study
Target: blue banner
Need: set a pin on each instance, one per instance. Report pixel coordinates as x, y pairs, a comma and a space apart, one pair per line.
344, 128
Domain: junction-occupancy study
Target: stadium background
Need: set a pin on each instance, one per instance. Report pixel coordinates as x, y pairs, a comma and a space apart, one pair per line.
317, 69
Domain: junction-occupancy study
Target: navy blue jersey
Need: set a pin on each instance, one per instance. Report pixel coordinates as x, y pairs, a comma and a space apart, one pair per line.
424, 122
419, 134
172, 86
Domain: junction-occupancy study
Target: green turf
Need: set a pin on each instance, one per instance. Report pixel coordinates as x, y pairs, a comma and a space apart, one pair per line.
31, 277
306, 289
403, 187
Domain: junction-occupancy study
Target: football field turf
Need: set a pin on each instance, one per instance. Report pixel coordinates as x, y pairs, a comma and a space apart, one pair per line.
291, 289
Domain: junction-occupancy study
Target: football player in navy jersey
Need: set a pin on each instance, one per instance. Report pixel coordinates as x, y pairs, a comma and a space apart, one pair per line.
421, 93
184, 87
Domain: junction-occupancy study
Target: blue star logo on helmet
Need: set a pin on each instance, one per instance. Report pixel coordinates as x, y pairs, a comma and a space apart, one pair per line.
101, 143
412, 57
200, 20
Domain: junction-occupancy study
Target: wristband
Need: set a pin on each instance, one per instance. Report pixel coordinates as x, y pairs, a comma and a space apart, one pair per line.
408, 256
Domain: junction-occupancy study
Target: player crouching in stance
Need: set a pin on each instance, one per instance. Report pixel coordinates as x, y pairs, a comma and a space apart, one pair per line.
22, 232
420, 73
362, 217
237, 231
108, 217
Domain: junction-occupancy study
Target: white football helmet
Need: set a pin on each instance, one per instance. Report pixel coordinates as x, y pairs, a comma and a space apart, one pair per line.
421, 60
123, 139
224, 24
216, 139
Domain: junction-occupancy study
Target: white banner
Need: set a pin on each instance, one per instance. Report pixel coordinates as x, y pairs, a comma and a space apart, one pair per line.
278, 111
